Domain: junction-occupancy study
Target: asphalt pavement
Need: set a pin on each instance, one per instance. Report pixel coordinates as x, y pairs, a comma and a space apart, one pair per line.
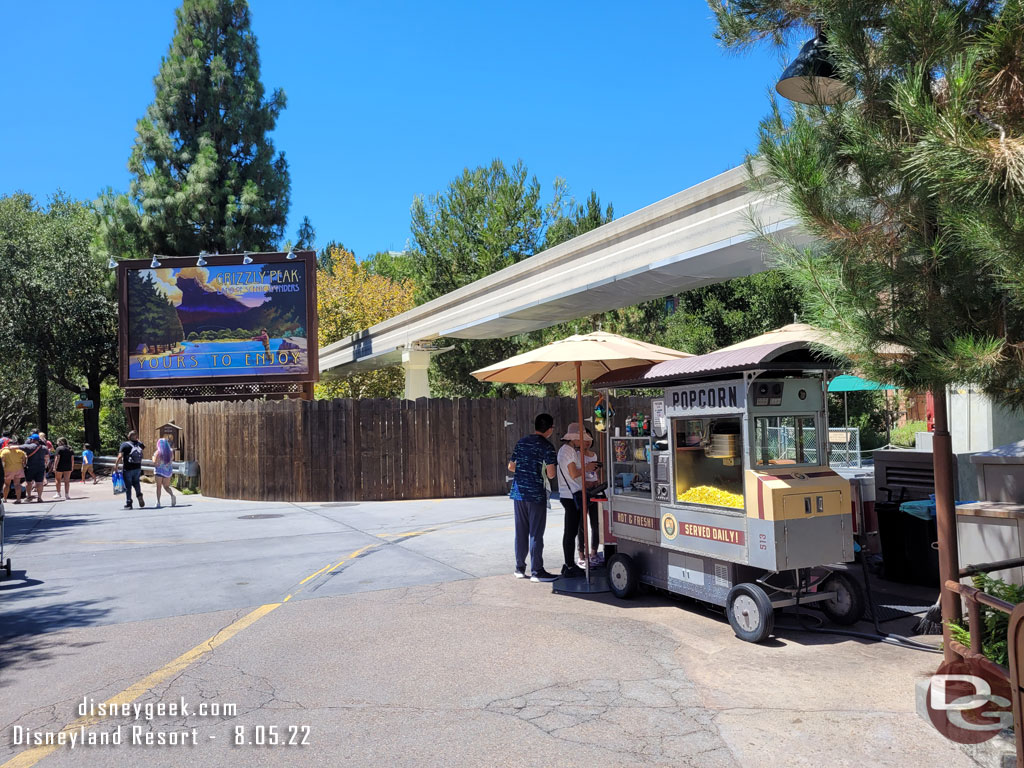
393, 634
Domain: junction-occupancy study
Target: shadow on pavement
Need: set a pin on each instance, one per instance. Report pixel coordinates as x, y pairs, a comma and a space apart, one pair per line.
32, 635
21, 528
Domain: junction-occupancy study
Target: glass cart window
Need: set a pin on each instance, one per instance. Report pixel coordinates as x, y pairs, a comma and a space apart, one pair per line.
780, 440
708, 462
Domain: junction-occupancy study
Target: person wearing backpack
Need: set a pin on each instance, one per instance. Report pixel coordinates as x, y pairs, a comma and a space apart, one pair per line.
130, 453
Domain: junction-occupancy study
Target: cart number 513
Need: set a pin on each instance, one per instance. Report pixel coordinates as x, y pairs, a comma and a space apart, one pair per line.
762, 541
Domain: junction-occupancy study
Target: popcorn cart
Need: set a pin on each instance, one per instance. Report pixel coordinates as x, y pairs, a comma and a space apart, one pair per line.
728, 496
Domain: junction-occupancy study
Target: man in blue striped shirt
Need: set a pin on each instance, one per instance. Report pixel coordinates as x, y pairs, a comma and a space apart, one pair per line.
533, 459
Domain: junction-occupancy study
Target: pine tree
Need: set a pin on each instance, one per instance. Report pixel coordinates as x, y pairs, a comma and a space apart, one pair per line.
206, 175
913, 191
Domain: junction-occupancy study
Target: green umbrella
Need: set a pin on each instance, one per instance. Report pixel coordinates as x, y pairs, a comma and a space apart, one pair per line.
855, 384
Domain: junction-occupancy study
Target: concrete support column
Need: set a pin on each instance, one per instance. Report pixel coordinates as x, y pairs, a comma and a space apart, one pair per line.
416, 362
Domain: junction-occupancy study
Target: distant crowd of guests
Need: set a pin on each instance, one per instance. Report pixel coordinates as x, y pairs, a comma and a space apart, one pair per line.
33, 462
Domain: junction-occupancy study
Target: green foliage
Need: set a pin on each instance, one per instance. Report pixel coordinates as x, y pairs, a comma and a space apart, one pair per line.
65, 419
718, 315
305, 238
489, 218
905, 436
913, 191
58, 313
995, 623
394, 265
113, 420
864, 410
206, 175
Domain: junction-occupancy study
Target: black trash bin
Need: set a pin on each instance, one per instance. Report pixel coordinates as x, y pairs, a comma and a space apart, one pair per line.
908, 554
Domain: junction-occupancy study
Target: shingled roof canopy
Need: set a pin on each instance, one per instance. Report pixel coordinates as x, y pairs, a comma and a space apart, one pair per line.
778, 356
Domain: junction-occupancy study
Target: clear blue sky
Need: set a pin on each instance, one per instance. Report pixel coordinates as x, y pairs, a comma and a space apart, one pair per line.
388, 100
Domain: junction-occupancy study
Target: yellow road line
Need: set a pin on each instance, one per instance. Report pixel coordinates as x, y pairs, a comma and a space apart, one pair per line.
354, 555
314, 575
32, 756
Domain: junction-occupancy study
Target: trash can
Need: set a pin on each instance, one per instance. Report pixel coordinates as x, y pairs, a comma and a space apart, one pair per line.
907, 532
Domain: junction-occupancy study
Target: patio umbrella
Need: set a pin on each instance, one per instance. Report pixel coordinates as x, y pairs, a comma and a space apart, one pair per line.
582, 356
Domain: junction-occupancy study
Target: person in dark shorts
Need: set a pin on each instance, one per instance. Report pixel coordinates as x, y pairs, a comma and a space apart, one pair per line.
532, 460
63, 463
130, 454
35, 467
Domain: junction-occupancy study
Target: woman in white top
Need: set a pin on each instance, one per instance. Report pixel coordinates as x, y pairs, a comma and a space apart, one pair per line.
569, 477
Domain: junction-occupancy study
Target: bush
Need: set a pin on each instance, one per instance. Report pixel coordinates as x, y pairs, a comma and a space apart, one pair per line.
904, 436
995, 623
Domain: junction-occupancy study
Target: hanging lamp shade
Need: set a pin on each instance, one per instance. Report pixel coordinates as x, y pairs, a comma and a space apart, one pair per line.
811, 77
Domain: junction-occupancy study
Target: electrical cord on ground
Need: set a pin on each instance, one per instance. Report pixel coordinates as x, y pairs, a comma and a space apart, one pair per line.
880, 636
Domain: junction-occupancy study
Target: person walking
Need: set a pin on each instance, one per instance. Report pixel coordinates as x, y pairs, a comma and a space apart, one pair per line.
130, 454
87, 469
533, 460
13, 460
49, 456
35, 467
63, 464
163, 469
568, 486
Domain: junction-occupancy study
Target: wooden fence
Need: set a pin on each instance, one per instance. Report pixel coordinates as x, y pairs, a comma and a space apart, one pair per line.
356, 450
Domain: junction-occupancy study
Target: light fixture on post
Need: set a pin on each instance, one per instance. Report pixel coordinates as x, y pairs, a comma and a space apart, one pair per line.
811, 77
291, 254
112, 263
201, 262
155, 263
247, 258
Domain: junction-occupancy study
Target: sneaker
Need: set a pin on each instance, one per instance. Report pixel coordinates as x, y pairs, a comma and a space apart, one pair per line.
580, 560
142, 502
158, 505
595, 561
127, 506
173, 501
542, 575
572, 571
520, 573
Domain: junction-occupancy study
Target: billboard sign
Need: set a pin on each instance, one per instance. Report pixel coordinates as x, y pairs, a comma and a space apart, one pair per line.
222, 322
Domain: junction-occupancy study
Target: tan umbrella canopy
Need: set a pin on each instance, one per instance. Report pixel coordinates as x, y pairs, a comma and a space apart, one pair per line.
811, 335
582, 356
594, 353
787, 333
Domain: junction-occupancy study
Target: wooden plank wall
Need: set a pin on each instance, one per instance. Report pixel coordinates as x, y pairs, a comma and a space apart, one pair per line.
357, 450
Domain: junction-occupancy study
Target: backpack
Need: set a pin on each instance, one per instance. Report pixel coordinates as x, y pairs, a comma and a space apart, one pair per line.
135, 455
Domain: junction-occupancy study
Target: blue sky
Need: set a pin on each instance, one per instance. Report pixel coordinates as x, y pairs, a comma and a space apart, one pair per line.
388, 100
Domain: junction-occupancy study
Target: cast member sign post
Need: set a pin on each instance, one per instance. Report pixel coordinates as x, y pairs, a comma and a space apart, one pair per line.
219, 323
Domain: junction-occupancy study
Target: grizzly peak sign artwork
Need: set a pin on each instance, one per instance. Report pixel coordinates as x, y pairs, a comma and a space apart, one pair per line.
222, 322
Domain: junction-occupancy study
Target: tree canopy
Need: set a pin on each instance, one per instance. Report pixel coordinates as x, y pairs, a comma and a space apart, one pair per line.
350, 298
58, 314
913, 190
206, 174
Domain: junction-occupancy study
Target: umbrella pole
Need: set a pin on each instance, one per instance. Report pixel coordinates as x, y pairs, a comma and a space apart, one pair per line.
583, 468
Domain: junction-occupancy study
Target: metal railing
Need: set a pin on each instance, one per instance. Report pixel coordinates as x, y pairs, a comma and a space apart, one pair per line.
975, 599
183, 468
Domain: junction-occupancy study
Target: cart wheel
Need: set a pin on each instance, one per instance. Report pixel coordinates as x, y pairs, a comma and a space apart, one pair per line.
750, 612
7, 567
847, 607
622, 575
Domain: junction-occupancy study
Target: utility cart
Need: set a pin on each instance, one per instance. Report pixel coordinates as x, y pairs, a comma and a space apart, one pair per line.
728, 496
